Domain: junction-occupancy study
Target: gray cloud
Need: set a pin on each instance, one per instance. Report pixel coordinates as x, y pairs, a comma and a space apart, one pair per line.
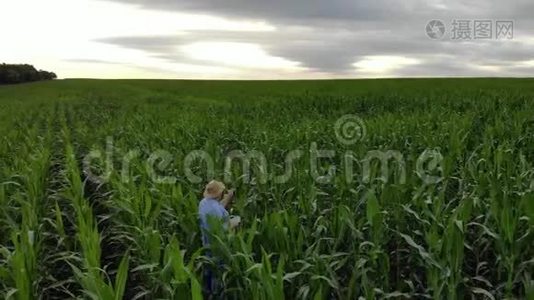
292, 11
329, 36
298, 10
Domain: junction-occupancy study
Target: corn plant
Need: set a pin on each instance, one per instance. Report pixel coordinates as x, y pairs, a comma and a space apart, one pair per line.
337, 233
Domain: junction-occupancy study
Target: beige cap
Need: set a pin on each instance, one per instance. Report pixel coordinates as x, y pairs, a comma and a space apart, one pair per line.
214, 189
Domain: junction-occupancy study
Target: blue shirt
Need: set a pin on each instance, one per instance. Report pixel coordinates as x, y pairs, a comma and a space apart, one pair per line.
210, 207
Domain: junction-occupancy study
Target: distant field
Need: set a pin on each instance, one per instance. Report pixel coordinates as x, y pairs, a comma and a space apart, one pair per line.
418, 188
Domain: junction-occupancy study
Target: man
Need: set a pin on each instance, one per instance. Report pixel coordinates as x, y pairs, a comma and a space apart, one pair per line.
213, 208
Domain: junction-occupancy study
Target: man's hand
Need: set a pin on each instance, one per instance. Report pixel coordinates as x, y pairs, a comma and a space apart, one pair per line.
227, 199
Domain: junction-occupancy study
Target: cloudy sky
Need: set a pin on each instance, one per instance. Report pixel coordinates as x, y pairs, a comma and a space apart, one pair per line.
276, 39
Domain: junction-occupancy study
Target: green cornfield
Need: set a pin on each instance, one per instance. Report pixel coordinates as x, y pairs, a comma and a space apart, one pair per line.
100, 182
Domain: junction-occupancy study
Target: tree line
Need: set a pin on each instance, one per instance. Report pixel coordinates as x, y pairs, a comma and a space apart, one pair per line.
19, 73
